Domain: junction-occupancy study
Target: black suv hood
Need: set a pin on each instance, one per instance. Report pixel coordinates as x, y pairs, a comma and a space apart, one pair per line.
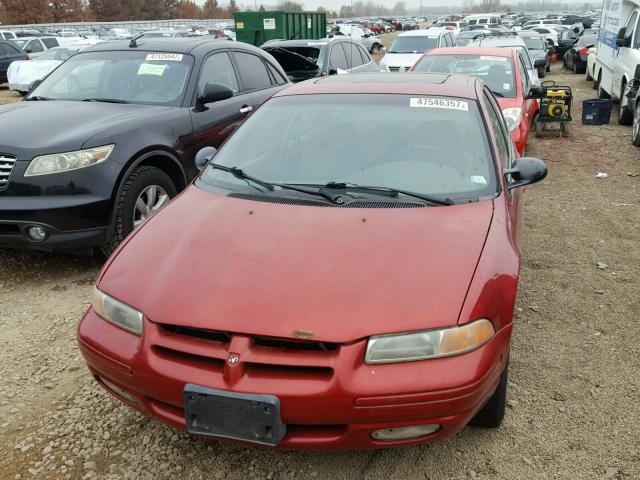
32, 128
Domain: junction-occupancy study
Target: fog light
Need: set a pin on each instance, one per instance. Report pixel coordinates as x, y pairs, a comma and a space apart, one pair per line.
37, 233
123, 393
403, 433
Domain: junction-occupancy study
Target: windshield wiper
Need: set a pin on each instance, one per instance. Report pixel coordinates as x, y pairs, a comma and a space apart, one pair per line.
239, 173
389, 191
104, 100
37, 98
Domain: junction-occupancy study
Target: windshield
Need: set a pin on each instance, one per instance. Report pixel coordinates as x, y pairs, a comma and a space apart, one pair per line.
534, 43
412, 44
57, 54
317, 139
124, 76
497, 72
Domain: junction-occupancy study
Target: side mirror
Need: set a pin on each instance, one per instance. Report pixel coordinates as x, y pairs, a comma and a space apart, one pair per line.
525, 171
204, 156
534, 93
214, 92
622, 40
33, 85
549, 43
540, 62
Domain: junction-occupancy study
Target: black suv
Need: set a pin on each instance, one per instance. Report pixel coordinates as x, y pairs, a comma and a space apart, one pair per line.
110, 135
9, 52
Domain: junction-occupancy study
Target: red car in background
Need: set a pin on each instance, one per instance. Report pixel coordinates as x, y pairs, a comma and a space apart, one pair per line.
504, 72
299, 299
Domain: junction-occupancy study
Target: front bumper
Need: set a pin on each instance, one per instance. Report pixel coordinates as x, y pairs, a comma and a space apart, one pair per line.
329, 399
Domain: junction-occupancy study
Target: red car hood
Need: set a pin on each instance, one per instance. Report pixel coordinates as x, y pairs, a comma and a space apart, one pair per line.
509, 102
243, 266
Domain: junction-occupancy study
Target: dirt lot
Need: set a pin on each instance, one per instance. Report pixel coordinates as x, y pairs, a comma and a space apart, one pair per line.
573, 409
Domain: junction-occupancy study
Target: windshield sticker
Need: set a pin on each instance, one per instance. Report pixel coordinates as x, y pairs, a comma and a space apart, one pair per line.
152, 69
164, 57
506, 86
446, 103
478, 179
497, 59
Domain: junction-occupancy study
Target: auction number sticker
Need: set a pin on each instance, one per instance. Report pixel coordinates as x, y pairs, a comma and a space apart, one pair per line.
492, 58
164, 57
446, 103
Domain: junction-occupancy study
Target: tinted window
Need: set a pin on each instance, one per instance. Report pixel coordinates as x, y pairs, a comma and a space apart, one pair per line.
497, 72
499, 129
50, 42
338, 59
364, 54
35, 46
253, 72
419, 149
447, 40
631, 25
353, 55
534, 43
524, 76
218, 69
275, 74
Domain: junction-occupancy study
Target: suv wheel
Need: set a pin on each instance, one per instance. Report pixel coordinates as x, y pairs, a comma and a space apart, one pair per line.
145, 191
491, 415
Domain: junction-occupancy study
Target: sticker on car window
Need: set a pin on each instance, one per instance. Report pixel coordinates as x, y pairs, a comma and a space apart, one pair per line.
506, 86
164, 57
152, 69
446, 103
478, 179
497, 59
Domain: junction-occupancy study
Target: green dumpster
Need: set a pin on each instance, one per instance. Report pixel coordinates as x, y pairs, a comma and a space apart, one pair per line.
258, 27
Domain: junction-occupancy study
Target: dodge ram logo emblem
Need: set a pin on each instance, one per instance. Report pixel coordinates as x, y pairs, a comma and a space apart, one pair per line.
233, 359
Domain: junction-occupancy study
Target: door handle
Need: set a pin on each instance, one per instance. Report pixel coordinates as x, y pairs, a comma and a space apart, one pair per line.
246, 109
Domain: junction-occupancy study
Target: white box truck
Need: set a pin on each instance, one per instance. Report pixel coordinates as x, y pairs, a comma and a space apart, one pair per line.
618, 54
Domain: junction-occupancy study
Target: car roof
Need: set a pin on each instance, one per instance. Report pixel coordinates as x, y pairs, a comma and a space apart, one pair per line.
185, 45
467, 50
306, 42
510, 41
388, 83
429, 32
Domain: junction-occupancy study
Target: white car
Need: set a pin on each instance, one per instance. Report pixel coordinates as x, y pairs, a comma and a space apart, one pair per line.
357, 32
408, 47
36, 46
23, 73
591, 63
546, 31
7, 35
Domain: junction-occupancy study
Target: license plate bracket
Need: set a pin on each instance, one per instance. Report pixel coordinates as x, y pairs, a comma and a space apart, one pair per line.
238, 416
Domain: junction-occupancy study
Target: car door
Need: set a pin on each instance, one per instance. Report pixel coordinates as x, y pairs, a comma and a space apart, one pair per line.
5, 59
354, 59
214, 122
34, 48
627, 57
368, 65
255, 79
337, 59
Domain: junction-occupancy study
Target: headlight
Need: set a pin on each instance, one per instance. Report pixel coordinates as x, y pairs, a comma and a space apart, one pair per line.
116, 312
512, 116
63, 162
408, 347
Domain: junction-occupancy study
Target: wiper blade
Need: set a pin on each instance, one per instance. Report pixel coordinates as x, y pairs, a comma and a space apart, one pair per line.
104, 100
239, 173
37, 98
389, 192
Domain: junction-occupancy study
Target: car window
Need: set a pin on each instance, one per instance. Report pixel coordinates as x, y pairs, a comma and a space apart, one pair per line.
285, 141
447, 40
218, 69
50, 42
276, 75
337, 58
35, 46
631, 25
525, 56
253, 72
353, 55
524, 76
482, 20
412, 44
363, 53
499, 128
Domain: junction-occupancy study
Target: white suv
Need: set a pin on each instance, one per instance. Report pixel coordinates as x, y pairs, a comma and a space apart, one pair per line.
408, 47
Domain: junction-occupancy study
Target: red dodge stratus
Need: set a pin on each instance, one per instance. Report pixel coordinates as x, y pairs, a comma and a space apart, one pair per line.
504, 72
321, 285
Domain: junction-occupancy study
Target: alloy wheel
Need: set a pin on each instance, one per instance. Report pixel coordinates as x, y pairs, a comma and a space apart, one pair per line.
151, 199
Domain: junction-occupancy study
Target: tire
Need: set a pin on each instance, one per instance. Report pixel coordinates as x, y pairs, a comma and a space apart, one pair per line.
625, 114
635, 130
564, 129
588, 76
491, 415
602, 94
548, 68
375, 48
596, 83
541, 73
134, 188
538, 129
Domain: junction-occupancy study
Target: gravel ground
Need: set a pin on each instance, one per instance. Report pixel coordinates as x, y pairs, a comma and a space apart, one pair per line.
573, 398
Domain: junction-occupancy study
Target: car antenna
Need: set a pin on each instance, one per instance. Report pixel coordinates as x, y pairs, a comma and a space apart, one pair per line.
133, 43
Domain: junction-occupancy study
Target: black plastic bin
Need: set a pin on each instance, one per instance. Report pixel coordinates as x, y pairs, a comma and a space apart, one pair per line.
596, 111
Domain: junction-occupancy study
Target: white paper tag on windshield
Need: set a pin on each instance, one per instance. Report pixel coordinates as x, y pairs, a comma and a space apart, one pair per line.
446, 103
497, 59
164, 57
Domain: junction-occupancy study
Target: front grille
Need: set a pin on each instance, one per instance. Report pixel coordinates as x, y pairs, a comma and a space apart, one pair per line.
294, 344
6, 167
201, 333
316, 203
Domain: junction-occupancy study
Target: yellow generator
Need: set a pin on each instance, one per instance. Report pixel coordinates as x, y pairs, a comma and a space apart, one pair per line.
555, 106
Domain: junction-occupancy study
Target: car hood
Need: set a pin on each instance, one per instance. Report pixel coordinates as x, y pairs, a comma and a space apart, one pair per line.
339, 274
505, 102
400, 59
538, 54
68, 125
27, 71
